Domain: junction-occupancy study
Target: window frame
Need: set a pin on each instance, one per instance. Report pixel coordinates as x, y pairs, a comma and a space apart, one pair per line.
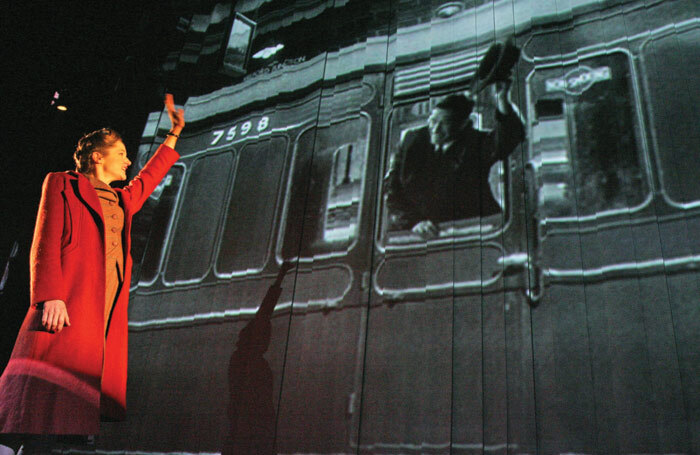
227, 204
279, 247
167, 238
217, 233
662, 188
470, 233
561, 61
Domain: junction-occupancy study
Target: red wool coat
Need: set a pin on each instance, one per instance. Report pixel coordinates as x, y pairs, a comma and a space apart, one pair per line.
61, 383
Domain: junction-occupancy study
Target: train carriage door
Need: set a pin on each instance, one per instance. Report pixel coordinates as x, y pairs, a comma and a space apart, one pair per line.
324, 230
604, 337
444, 314
448, 361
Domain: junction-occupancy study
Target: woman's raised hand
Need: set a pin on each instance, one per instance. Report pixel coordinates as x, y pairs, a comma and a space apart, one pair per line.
177, 116
177, 120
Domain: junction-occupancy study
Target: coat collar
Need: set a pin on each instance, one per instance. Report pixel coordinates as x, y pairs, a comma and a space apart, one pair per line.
87, 192
99, 184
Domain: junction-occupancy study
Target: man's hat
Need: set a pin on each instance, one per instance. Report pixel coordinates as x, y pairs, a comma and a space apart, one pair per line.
496, 64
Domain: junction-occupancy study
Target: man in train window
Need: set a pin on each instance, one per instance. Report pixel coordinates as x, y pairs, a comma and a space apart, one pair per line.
441, 171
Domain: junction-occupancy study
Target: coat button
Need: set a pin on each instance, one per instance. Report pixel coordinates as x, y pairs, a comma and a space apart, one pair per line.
114, 216
114, 229
114, 243
112, 202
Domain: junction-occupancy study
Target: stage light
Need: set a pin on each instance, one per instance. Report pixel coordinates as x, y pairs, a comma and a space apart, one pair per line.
55, 102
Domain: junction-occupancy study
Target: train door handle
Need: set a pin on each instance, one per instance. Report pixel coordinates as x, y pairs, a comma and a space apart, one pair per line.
519, 263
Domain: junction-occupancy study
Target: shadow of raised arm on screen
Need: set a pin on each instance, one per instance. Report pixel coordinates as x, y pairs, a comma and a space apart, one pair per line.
251, 410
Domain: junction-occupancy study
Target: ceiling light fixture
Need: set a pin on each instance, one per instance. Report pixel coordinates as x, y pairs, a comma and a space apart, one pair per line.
449, 9
268, 51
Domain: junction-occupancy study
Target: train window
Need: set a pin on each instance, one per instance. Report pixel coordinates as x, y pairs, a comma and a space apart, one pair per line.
344, 191
198, 219
438, 179
150, 227
584, 137
670, 64
323, 207
250, 218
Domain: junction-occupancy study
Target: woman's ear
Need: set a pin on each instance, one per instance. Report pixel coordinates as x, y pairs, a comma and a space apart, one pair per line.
96, 157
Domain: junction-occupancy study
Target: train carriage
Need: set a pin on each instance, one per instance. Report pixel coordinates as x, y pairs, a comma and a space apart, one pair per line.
566, 323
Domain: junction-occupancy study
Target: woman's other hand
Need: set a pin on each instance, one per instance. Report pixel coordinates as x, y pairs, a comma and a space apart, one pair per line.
55, 316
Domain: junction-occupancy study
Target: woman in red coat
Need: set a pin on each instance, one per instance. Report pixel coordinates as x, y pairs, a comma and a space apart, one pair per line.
69, 364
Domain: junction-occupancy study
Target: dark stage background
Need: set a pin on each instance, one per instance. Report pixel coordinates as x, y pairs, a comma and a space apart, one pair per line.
279, 305
99, 57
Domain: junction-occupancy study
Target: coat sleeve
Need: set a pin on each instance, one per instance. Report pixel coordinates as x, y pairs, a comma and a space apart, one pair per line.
141, 186
46, 272
402, 213
509, 132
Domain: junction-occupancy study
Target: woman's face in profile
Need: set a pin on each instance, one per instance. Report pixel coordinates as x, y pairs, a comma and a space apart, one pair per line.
114, 162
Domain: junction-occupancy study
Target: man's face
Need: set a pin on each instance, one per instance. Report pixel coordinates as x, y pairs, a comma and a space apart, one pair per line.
444, 126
